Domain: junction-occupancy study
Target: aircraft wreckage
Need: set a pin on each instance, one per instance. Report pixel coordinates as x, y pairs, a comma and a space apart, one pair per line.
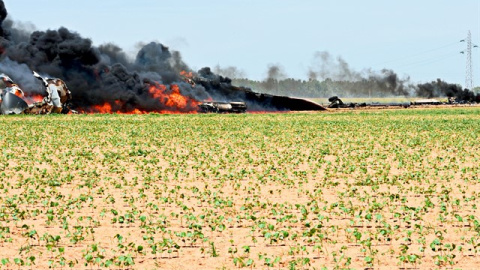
13, 98
234, 99
57, 99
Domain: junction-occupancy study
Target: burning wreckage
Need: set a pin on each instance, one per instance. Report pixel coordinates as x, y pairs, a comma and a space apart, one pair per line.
274, 103
102, 79
236, 99
13, 100
222, 107
58, 97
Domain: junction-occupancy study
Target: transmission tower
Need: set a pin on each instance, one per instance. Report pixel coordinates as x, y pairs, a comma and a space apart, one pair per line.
469, 72
469, 69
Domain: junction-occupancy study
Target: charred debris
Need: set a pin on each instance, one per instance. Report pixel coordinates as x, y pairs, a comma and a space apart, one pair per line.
337, 103
222, 91
56, 98
222, 107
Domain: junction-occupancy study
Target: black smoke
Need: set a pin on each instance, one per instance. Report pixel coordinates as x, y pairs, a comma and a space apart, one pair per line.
325, 66
3, 16
230, 72
348, 82
105, 74
275, 73
440, 88
95, 75
221, 89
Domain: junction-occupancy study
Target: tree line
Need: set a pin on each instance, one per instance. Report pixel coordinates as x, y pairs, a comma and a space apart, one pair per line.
315, 89
363, 88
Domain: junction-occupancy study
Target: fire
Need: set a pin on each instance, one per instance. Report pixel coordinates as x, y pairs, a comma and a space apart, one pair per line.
157, 90
188, 77
18, 93
186, 74
170, 99
137, 111
105, 108
32, 98
176, 99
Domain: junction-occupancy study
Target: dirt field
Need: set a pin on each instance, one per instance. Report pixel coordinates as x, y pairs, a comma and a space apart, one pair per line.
383, 189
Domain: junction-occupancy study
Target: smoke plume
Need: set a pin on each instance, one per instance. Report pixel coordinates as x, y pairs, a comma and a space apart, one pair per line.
97, 75
104, 78
354, 83
229, 72
275, 73
3, 15
324, 66
440, 88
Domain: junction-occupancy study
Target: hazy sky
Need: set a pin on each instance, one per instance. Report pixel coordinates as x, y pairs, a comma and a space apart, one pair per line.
420, 38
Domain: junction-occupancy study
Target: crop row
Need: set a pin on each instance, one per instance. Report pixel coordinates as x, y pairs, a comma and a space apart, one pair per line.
376, 189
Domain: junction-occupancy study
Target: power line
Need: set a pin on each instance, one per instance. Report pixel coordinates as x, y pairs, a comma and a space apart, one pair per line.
422, 53
429, 60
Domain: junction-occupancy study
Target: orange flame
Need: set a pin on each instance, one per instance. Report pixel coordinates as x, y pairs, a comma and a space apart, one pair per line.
186, 74
32, 98
105, 108
18, 93
170, 97
173, 99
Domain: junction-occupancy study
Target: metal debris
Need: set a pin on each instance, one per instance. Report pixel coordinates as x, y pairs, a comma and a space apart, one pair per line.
222, 107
